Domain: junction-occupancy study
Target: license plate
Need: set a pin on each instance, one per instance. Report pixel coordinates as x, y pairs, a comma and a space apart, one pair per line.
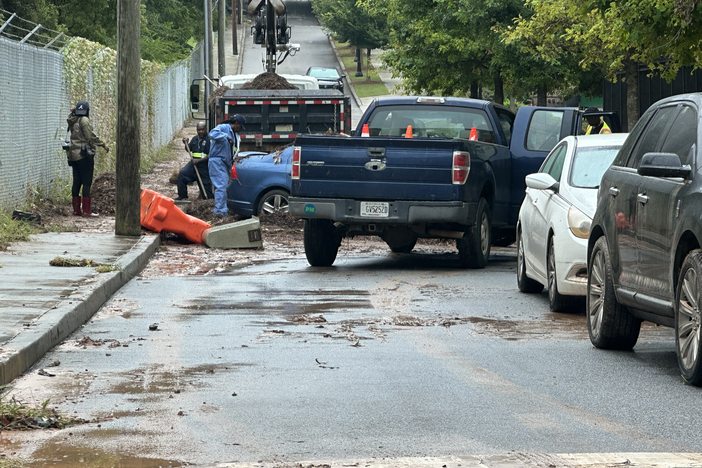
375, 209
283, 128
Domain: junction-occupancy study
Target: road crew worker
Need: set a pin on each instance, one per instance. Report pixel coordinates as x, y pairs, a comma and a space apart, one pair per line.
224, 144
199, 149
595, 123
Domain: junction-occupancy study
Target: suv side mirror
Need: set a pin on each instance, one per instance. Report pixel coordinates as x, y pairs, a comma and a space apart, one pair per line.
663, 165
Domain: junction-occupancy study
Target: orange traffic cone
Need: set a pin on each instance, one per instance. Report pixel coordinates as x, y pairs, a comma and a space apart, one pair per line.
365, 132
159, 213
473, 134
408, 132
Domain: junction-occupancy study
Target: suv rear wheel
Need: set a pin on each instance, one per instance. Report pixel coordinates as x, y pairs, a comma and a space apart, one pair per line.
609, 324
688, 319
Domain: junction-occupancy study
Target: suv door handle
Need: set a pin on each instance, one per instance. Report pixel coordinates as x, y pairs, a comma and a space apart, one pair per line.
614, 191
642, 198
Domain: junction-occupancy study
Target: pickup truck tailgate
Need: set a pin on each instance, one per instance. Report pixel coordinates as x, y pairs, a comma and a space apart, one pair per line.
384, 168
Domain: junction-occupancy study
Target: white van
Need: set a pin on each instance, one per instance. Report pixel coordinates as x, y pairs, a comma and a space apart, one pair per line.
302, 82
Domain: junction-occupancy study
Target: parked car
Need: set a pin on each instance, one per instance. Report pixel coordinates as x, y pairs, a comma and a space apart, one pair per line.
644, 256
260, 183
327, 77
555, 216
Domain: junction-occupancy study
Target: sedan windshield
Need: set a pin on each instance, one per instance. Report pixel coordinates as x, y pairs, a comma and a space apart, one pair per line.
324, 73
589, 164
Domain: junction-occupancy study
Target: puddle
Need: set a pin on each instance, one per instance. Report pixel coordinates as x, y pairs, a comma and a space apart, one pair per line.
62, 455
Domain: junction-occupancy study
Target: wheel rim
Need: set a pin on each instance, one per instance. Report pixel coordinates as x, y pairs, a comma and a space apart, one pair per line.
688, 320
596, 292
484, 241
551, 273
275, 204
520, 259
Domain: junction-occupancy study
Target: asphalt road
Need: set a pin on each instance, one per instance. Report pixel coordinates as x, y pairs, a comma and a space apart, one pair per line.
377, 358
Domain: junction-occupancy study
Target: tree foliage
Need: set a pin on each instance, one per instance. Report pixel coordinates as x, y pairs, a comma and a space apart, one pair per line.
350, 22
167, 26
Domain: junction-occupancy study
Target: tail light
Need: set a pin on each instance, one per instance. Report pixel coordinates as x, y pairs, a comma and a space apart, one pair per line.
234, 176
295, 173
461, 167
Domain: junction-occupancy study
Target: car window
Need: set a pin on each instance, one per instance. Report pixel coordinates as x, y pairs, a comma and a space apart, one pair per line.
324, 73
506, 122
544, 130
682, 136
431, 122
552, 159
589, 163
652, 138
632, 139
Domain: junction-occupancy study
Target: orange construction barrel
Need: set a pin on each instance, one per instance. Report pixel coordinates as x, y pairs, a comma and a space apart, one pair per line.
159, 213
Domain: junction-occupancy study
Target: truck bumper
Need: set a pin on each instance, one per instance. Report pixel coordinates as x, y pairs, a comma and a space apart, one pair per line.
400, 212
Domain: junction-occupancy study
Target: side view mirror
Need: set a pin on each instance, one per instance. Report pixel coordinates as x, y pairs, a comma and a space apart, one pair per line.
194, 93
542, 181
663, 165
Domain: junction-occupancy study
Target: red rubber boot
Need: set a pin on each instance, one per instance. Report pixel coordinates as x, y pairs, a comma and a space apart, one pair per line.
86, 208
76, 207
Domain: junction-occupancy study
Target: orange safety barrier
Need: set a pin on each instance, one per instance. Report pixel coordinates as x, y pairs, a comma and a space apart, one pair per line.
159, 213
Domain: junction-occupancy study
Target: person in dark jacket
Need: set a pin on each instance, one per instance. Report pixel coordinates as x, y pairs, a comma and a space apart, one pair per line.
199, 149
81, 156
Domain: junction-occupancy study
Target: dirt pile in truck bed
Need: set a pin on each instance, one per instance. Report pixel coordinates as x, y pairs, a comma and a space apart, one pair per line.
268, 80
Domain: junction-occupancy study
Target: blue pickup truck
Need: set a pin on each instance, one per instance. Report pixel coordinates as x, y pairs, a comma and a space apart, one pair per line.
424, 167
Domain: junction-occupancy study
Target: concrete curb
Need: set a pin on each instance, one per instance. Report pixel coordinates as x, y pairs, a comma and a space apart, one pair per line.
349, 86
24, 350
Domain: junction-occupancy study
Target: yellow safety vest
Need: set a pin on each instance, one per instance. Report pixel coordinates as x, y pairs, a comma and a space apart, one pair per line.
605, 129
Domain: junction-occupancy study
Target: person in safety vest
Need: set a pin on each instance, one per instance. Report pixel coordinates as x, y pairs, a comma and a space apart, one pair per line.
595, 123
199, 149
81, 156
224, 144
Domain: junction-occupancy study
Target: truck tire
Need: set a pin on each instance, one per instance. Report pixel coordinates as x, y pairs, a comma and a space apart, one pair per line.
321, 242
474, 247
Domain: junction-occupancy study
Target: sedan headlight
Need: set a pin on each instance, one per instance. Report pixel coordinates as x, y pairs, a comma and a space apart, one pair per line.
578, 223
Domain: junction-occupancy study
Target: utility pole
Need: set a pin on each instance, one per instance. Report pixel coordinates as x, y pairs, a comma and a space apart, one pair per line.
128, 190
236, 19
221, 31
207, 53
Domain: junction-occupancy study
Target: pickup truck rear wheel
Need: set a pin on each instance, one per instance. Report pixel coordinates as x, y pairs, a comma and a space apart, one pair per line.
321, 242
474, 247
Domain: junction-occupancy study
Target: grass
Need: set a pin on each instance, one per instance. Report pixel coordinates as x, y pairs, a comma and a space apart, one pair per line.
369, 84
12, 230
17, 416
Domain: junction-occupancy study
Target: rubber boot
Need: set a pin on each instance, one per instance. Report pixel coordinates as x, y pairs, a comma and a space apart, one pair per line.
86, 208
76, 207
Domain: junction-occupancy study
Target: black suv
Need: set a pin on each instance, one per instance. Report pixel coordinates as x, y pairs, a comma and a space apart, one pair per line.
644, 256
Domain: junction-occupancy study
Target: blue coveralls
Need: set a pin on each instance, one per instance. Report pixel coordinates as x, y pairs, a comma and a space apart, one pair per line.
220, 163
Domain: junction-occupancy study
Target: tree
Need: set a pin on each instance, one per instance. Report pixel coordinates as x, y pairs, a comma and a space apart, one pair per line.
349, 22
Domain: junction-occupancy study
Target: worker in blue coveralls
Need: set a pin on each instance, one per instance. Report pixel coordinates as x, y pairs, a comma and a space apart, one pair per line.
224, 144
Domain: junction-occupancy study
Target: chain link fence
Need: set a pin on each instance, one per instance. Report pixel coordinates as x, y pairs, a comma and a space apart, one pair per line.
35, 100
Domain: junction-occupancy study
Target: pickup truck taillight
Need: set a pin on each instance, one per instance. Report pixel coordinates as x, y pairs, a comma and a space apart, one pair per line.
461, 167
295, 173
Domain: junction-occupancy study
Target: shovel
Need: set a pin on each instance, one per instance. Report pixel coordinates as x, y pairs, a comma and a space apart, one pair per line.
199, 179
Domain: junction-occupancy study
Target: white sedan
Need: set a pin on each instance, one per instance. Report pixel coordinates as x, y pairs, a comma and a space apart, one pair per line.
555, 216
